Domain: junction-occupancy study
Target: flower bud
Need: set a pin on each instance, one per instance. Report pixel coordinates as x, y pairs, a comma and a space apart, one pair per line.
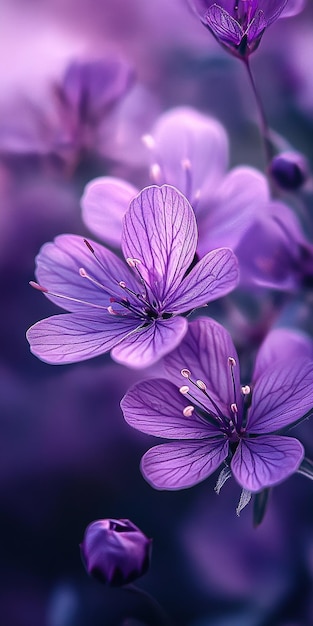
115, 552
289, 170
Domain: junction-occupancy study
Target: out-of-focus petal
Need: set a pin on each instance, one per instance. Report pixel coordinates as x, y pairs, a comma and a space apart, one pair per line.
156, 407
191, 150
282, 394
293, 7
74, 337
179, 465
266, 461
282, 344
104, 204
160, 231
205, 351
149, 344
213, 277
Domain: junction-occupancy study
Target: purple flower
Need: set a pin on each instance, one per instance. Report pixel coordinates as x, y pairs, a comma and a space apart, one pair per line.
210, 416
289, 170
115, 552
233, 209
239, 24
135, 308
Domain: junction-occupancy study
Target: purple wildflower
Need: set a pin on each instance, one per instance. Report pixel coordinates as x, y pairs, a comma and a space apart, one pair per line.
209, 415
239, 24
233, 209
116, 552
135, 308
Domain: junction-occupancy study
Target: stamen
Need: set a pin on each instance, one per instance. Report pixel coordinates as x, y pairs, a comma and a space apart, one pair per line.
246, 390
234, 408
185, 373
89, 246
231, 361
184, 389
188, 411
148, 140
122, 284
133, 262
38, 287
111, 311
201, 385
186, 164
155, 173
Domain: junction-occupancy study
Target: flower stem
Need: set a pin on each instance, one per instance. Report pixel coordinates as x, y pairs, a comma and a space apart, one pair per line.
157, 612
264, 128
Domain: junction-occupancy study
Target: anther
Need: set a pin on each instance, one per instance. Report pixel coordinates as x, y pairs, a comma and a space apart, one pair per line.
186, 164
89, 246
234, 408
201, 385
83, 272
246, 390
231, 361
148, 141
155, 172
122, 284
185, 373
184, 389
133, 262
38, 287
111, 310
188, 411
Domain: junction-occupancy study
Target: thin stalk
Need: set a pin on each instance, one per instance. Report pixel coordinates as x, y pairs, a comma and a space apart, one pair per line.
158, 613
264, 128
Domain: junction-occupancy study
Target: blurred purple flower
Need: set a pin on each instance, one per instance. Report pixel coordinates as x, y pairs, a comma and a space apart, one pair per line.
239, 24
78, 106
190, 151
209, 416
289, 170
116, 552
135, 310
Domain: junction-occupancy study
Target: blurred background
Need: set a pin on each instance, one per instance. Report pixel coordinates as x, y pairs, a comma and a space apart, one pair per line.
67, 457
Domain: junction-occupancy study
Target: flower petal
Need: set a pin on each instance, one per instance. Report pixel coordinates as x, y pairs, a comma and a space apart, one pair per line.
58, 264
159, 230
184, 142
150, 343
223, 26
282, 394
282, 344
179, 465
213, 277
266, 461
73, 337
156, 407
205, 351
104, 204
226, 214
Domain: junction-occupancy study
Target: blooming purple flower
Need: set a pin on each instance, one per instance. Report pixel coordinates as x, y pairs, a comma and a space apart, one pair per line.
239, 24
135, 308
210, 416
116, 552
190, 151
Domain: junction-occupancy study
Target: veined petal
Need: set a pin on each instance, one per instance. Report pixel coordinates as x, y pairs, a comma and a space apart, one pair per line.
74, 337
223, 25
58, 264
205, 351
150, 343
104, 204
184, 142
272, 9
159, 230
156, 407
282, 394
213, 277
266, 461
293, 7
179, 465
282, 344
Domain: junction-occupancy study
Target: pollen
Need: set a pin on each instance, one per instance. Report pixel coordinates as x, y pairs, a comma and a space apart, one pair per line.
188, 411
231, 361
201, 385
184, 389
122, 284
133, 262
246, 390
185, 373
234, 408
82, 272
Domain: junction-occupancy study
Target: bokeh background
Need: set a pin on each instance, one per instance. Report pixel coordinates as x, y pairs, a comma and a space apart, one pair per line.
67, 457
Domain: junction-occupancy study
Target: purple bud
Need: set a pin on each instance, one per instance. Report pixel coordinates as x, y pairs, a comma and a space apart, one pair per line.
115, 552
289, 170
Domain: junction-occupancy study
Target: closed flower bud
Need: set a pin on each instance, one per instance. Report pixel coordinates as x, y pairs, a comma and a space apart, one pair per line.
289, 170
115, 552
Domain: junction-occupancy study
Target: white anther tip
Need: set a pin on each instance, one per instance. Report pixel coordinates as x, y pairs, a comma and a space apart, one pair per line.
185, 373
188, 411
231, 361
148, 141
37, 286
184, 389
122, 284
234, 408
201, 385
246, 390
